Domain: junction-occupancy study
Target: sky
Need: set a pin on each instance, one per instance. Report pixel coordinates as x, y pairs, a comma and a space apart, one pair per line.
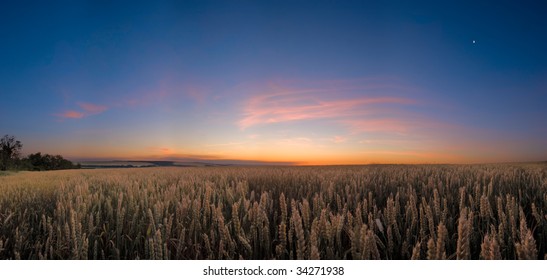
282, 82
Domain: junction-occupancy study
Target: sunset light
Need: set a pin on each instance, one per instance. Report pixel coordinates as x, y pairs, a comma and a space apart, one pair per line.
249, 139
310, 85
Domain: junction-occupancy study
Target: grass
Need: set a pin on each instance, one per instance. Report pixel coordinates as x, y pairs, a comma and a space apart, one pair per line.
342, 212
6, 173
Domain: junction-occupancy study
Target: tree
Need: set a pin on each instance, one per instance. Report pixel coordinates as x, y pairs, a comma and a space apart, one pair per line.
10, 149
39, 162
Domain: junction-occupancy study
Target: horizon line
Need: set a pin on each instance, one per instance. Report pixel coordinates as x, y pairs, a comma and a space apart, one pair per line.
289, 163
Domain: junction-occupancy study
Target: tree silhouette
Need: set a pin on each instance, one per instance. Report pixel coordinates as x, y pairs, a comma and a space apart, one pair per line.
10, 150
39, 162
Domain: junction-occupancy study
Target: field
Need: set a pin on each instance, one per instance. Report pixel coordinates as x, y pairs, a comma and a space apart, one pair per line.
345, 212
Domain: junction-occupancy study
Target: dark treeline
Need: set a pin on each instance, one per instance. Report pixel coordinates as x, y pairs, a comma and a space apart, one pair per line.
10, 159
39, 162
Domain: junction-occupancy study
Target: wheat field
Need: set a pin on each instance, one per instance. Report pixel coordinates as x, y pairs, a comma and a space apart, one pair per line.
339, 212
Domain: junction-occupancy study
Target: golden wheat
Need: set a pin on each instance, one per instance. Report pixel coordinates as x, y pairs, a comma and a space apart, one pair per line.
350, 212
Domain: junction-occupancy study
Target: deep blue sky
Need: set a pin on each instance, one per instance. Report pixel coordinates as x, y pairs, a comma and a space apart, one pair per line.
301, 81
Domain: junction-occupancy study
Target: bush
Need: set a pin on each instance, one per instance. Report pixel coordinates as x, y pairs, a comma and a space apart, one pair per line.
39, 162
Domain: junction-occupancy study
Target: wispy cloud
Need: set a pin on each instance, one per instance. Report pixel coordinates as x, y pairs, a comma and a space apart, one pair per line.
357, 105
305, 105
70, 115
86, 109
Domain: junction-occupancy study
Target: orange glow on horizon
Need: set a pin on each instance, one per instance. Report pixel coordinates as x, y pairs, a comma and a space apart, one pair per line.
327, 123
370, 157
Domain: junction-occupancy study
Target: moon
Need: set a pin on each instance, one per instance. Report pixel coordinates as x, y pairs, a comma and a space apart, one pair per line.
473, 41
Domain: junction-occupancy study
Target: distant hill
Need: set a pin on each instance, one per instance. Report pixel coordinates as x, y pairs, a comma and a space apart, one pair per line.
180, 162
133, 164
91, 164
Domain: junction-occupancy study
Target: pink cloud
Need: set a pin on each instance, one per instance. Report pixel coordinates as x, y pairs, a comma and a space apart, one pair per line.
310, 104
71, 115
88, 110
